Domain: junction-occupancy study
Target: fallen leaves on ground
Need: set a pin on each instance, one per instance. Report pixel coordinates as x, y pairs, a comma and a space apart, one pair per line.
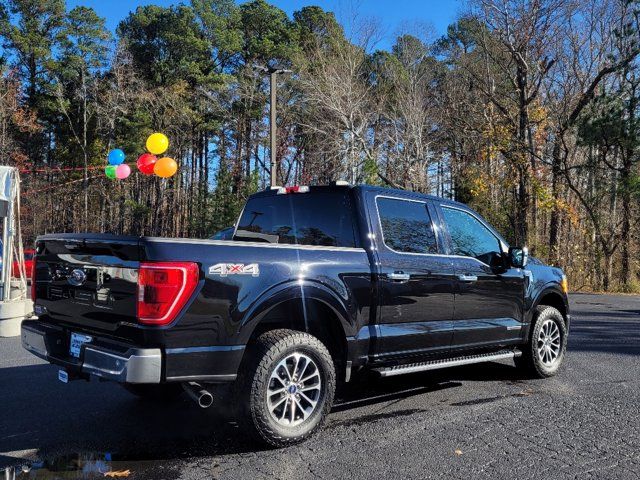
524, 393
118, 473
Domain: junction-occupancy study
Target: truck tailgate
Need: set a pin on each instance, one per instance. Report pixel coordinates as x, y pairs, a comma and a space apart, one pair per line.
88, 281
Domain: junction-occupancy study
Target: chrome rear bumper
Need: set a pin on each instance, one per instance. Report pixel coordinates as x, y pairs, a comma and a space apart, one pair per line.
134, 365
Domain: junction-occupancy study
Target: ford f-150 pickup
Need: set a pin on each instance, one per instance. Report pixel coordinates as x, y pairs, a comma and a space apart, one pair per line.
316, 284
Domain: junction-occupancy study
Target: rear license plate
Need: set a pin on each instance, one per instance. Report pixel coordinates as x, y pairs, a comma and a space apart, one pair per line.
77, 340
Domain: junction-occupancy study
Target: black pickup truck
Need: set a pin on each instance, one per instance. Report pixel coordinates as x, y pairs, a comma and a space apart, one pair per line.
317, 283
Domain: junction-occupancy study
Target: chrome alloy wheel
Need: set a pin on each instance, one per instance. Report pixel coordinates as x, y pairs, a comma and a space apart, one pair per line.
549, 342
294, 390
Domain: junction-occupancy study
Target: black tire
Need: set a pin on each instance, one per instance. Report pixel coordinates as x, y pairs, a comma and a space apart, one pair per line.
272, 355
532, 362
161, 392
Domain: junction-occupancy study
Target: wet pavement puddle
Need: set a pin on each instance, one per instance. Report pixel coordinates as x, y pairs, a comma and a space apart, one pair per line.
85, 466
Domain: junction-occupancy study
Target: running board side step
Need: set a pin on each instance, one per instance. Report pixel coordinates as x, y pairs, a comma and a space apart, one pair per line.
446, 362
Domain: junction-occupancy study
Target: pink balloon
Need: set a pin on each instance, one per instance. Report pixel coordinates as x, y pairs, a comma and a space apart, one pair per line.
123, 171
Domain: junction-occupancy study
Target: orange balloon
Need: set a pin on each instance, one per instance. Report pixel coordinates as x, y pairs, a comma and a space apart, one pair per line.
165, 167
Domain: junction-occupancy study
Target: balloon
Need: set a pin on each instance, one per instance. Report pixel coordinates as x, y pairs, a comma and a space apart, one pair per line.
123, 171
157, 143
116, 157
146, 162
110, 171
165, 167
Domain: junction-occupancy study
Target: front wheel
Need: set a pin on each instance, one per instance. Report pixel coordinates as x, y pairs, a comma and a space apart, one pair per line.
288, 384
547, 346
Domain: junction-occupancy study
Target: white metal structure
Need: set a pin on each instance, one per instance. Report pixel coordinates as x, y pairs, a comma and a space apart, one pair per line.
14, 302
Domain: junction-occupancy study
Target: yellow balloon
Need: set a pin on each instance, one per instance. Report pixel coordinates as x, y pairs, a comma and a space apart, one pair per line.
157, 143
165, 167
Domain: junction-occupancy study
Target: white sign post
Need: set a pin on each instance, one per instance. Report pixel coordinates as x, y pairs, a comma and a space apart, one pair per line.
15, 305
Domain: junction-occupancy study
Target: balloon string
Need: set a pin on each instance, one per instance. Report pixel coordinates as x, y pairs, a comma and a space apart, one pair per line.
68, 169
29, 192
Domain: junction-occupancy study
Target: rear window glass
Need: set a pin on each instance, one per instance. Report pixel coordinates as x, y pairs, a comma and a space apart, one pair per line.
315, 218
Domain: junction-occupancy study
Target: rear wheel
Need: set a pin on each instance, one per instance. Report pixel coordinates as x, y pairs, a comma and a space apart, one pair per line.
288, 386
547, 346
161, 392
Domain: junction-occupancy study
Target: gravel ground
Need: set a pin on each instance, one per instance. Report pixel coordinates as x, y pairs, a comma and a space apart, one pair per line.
482, 421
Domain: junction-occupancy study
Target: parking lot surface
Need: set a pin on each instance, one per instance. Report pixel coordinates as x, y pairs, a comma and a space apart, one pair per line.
483, 421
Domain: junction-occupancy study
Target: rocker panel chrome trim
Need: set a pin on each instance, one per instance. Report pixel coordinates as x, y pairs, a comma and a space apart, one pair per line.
446, 363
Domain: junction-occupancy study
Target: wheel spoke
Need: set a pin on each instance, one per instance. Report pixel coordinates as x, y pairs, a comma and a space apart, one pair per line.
312, 402
309, 388
284, 410
294, 374
309, 377
292, 415
278, 403
277, 377
305, 414
306, 365
283, 366
274, 392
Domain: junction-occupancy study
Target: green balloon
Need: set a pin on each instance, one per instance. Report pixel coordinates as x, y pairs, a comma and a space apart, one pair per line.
110, 171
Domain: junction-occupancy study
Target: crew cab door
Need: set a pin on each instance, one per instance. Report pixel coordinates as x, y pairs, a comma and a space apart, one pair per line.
415, 283
489, 301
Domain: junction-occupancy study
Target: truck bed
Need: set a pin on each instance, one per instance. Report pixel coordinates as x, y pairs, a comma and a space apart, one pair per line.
213, 327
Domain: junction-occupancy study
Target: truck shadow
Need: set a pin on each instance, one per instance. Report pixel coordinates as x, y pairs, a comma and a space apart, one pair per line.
89, 427
368, 389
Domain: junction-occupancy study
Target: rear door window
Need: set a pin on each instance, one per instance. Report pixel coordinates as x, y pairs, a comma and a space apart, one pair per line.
406, 226
315, 218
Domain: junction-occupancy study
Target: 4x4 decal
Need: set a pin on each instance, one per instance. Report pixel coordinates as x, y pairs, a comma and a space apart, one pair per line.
224, 269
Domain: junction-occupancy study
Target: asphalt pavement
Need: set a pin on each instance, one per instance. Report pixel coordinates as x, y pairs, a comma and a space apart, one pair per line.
483, 421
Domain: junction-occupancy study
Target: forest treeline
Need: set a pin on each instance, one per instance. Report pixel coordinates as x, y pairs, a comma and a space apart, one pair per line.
528, 110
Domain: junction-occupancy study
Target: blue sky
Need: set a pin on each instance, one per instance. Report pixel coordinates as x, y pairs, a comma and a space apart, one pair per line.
392, 15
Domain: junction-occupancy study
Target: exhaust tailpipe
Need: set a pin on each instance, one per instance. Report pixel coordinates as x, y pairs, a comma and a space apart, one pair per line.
199, 394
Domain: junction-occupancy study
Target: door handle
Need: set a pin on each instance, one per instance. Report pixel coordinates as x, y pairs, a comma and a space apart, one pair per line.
467, 278
399, 276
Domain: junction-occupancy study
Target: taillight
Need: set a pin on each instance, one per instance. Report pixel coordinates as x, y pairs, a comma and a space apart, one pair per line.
163, 289
33, 280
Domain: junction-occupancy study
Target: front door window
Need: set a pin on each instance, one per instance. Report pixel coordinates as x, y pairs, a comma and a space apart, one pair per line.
469, 237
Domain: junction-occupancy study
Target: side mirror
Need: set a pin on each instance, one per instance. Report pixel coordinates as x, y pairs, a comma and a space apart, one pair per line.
518, 256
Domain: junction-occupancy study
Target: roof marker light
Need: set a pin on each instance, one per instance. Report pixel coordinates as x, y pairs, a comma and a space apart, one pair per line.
294, 189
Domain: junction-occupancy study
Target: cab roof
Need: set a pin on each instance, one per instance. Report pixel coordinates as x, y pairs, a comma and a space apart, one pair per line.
364, 188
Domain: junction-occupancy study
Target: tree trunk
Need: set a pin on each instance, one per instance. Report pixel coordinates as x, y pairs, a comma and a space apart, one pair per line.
554, 226
625, 232
523, 200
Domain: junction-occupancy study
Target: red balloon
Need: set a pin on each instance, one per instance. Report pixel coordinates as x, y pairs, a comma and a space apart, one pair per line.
146, 162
